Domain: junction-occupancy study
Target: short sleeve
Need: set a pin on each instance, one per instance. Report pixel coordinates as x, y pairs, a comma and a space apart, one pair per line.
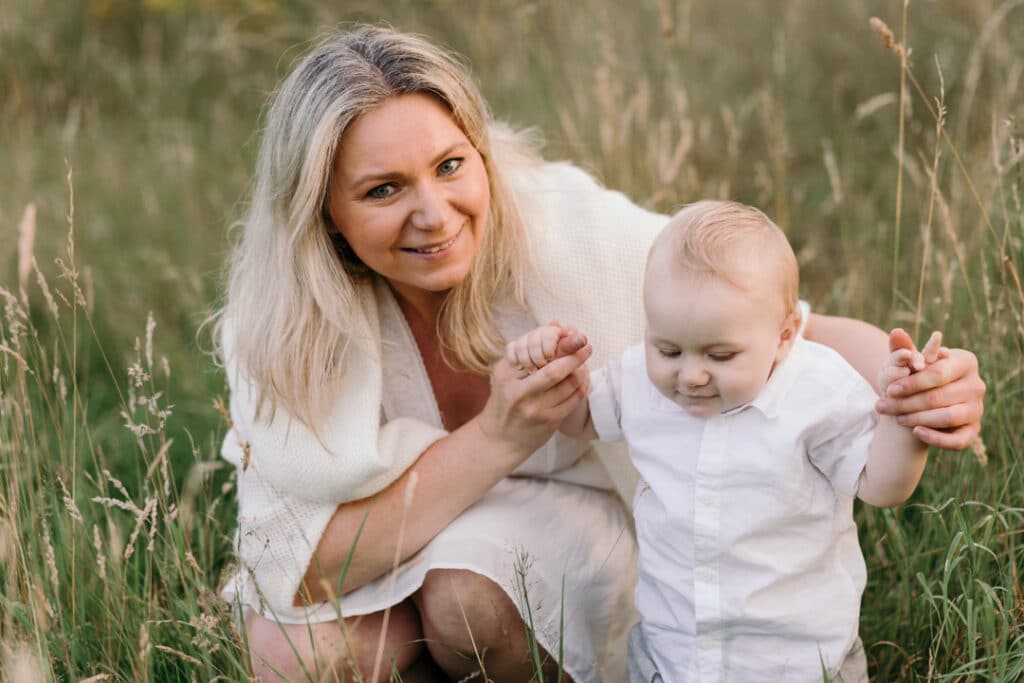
606, 402
842, 451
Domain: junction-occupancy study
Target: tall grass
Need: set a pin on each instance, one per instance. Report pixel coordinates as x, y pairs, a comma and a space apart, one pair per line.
130, 127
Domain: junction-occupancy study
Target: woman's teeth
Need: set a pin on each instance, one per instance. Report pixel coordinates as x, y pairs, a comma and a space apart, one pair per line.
434, 250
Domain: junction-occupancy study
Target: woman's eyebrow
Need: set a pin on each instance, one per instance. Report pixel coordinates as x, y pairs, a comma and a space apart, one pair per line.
448, 150
387, 175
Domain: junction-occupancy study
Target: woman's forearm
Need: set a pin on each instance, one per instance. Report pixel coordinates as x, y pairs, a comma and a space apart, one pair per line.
863, 345
394, 524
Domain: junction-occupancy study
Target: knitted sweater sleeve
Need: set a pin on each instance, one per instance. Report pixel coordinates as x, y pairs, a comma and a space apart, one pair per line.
350, 455
589, 245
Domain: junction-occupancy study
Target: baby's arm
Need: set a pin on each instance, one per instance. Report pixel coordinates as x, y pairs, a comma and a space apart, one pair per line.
896, 458
537, 348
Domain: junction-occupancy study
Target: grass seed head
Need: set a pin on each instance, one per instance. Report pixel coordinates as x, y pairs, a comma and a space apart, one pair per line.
888, 37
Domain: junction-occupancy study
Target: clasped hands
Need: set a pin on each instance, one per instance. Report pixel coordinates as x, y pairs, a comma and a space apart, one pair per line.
936, 391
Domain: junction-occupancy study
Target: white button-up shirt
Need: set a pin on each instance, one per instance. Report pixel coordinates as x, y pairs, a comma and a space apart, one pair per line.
749, 568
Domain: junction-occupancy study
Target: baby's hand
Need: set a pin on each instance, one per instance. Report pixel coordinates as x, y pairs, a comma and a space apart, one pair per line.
537, 348
905, 359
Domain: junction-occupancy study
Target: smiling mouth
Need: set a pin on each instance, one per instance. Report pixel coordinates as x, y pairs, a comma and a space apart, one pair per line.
435, 248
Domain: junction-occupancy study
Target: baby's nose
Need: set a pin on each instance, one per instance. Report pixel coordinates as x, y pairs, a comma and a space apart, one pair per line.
693, 374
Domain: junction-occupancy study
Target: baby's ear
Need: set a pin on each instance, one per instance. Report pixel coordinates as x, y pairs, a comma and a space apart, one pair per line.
788, 334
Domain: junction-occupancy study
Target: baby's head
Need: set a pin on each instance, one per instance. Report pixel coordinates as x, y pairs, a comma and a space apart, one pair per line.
720, 298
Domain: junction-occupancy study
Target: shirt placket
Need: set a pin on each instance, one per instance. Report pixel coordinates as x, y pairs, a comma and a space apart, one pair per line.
706, 571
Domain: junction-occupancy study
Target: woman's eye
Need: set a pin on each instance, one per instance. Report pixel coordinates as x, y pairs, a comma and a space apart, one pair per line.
382, 191
449, 166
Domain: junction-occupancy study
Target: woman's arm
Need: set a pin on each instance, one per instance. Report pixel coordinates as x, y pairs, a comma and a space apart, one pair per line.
455, 472
943, 403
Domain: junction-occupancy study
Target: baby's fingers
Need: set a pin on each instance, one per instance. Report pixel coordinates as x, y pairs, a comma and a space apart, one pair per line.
901, 358
542, 345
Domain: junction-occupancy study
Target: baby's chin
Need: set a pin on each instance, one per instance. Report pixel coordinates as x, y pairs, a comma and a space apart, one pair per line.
702, 409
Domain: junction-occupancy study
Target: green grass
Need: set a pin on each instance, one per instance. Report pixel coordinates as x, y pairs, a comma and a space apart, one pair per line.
154, 107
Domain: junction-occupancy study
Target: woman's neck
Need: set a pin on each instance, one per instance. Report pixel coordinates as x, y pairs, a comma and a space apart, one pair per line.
420, 308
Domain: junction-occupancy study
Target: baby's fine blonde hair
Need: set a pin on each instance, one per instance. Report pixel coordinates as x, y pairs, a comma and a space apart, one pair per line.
731, 240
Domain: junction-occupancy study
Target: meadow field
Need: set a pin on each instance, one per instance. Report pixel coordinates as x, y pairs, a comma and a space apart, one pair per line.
128, 131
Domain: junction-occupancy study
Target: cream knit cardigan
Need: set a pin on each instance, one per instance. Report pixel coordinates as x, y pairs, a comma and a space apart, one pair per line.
589, 245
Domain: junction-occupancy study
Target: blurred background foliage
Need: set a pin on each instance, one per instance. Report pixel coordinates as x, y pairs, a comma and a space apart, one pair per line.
154, 109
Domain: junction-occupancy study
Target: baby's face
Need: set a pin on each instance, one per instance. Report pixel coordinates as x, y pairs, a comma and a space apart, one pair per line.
710, 345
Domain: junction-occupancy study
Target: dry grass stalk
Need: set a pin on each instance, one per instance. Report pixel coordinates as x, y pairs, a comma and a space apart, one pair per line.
979, 451
69, 502
45, 289
410, 492
140, 520
5, 349
888, 37
101, 559
51, 560
26, 242
179, 654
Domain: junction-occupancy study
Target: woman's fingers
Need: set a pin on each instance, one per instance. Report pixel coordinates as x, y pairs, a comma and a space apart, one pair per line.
891, 373
569, 344
558, 369
959, 366
947, 417
953, 440
568, 390
962, 392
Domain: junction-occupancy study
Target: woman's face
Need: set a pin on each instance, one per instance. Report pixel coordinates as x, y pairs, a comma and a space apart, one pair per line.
410, 196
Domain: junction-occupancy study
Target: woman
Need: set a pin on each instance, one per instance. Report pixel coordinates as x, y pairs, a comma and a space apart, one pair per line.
400, 499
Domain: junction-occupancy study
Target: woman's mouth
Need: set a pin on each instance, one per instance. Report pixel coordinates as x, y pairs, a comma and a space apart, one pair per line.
434, 248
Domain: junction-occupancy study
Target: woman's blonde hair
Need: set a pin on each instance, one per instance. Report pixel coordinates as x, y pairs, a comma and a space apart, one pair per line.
292, 298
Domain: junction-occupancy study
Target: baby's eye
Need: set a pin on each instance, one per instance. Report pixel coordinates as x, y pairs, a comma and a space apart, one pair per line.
722, 356
382, 191
449, 166
669, 353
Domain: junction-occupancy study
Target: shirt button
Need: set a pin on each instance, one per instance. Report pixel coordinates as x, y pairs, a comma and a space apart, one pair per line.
707, 499
705, 644
705, 575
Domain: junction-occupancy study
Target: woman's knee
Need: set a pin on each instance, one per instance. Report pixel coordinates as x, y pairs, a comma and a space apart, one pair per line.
333, 651
464, 610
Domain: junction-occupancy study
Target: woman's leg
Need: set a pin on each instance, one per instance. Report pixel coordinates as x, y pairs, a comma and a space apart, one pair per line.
467, 618
331, 652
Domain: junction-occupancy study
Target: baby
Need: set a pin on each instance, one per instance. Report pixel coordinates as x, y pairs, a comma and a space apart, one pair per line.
751, 443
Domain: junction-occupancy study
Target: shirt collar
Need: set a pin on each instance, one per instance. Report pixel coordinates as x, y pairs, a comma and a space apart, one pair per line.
773, 395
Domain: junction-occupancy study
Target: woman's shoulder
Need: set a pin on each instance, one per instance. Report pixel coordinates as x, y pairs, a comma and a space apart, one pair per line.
517, 154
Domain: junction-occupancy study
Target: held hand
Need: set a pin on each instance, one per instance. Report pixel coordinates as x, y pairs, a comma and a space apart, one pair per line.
905, 359
524, 411
540, 346
943, 402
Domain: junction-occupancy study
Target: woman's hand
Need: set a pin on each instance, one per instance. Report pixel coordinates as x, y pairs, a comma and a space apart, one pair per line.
524, 411
943, 403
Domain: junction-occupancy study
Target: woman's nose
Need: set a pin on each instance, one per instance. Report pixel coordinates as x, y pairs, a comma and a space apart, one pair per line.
431, 209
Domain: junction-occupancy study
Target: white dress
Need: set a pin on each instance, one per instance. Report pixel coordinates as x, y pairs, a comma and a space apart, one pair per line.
557, 516
554, 533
